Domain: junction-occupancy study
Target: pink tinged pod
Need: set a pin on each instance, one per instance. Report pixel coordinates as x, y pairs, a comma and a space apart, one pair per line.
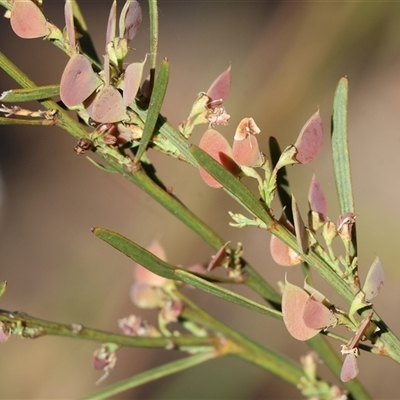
310, 139
374, 280
282, 254
218, 258
27, 20
245, 145
316, 198
349, 368
219, 89
108, 106
130, 19
145, 296
78, 81
316, 315
112, 23
132, 79
215, 145
69, 24
294, 300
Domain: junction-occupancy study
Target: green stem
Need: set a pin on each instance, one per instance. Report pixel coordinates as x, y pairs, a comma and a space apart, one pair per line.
151, 375
243, 347
30, 327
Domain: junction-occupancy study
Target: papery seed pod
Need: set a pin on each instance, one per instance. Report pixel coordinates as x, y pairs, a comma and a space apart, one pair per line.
316, 198
218, 258
132, 78
108, 106
219, 89
4, 332
215, 145
309, 140
374, 280
27, 20
245, 147
145, 296
112, 23
349, 368
282, 254
78, 81
316, 315
130, 19
293, 302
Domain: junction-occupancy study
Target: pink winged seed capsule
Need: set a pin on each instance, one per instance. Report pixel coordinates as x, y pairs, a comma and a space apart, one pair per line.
282, 254
349, 368
78, 81
245, 145
27, 20
215, 145
316, 198
374, 280
309, 140
294, 300
219, 89
316, 315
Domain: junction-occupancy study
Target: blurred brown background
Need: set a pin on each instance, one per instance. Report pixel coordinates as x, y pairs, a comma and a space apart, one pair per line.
286, 58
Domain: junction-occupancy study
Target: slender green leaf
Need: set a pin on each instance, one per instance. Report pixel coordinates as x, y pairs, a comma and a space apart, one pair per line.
340, 149
39, 93
166, 270
341, 156
151, 375
136, 253
156, 101
171, 134
226, 294
232, 185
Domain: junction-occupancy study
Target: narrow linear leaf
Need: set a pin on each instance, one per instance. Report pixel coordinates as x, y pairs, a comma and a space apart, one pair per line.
151, 375
156, 101
166, 270
341, 156
137, 253
153, 15
21, 95
340, 149
226, 294
231, 184
172, 135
